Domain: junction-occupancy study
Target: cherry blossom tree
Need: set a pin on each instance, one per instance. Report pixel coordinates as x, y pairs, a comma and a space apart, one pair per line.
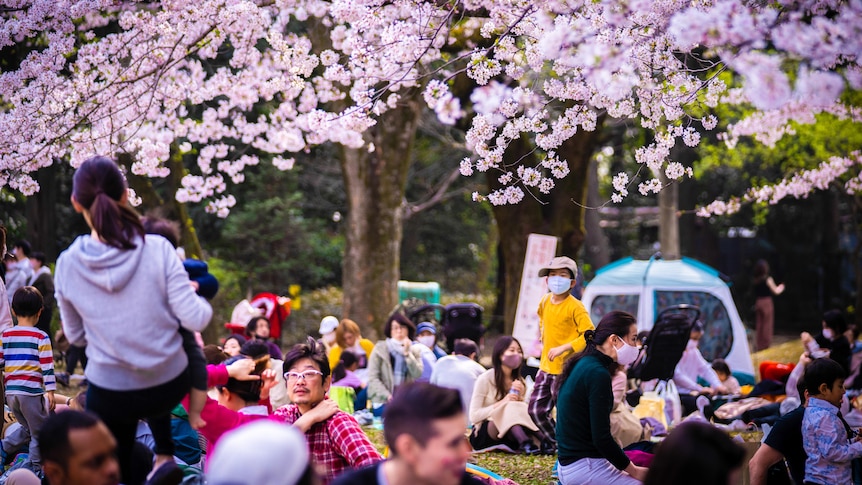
229, 83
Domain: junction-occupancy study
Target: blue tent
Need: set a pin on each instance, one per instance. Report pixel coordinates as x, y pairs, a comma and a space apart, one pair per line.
645, 288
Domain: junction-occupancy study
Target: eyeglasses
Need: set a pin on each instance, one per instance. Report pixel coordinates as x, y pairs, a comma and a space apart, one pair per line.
304, 375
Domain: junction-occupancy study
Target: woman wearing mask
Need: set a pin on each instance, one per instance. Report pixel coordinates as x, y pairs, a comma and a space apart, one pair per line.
831, 339
588, 453
692, 366
498, 409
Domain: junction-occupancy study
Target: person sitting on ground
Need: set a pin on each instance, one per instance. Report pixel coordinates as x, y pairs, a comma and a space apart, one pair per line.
27, 361
829, 442
349, 339
782, 445
691, 366
425, 432
344, 375
20, 270
279, 451
588, 452
242, 385
78, 449
233, 344
426, 334
460, 371
626, 428
328, 326
696, 452
722, 370
258, 329
498, 408
336, 440
831, 339
393, 362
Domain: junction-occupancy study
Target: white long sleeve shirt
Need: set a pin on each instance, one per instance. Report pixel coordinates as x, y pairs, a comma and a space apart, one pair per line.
691, 366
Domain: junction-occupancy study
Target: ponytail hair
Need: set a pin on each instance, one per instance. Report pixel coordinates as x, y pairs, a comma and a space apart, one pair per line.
617, 323
99, 186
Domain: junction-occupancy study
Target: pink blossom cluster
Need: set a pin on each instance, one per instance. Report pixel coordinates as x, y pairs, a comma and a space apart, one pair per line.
227, 82
798, 186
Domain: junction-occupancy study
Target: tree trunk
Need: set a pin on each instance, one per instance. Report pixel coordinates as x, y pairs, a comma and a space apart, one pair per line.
668, 220
42, 213
561, 216
375, 183
596, 245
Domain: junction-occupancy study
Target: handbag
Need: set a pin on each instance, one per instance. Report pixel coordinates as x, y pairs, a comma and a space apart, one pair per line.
668, 391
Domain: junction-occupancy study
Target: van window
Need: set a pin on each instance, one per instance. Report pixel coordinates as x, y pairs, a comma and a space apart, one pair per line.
717, 337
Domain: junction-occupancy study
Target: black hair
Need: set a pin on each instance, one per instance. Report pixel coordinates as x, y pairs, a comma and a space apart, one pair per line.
340, 371
695, 449
414, 408
251, 326
761, 271
54, 434
500, 347
719, 365
166, 228
400, 320
40, 257
27, 301
465, 347
822, 371
309, 350
98, 186
248, 391
254, 349
615, 322
25, 246
835, 320
235, 336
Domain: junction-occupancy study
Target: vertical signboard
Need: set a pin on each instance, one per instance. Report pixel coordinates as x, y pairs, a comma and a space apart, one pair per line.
540, 250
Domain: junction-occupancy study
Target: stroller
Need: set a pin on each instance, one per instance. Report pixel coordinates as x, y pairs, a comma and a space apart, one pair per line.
457, 320
665, 343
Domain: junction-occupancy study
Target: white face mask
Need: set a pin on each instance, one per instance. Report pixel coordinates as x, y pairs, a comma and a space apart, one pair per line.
627, 354
427, 340
559, 285
828, 333
692, 344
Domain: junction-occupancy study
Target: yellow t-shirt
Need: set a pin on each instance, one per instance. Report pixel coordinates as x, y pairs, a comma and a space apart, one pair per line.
561, 323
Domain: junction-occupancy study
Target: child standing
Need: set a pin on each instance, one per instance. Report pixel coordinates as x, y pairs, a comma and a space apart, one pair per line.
28, 361
563, 319
827, 438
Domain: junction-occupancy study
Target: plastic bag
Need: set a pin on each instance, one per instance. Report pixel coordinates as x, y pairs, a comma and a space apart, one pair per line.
673, 407
651, 405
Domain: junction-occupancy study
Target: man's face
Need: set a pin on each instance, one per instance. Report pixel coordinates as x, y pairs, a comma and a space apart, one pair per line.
444, 457
93, 460
308, 391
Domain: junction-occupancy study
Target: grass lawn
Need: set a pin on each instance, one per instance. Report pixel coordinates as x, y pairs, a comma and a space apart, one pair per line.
523, 469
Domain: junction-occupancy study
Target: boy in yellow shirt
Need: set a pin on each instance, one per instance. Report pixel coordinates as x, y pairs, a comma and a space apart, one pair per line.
563, 319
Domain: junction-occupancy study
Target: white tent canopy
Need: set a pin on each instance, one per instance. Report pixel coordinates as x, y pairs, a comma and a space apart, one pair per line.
645, 288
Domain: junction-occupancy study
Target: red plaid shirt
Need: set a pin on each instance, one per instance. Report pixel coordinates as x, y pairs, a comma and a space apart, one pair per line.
337, 444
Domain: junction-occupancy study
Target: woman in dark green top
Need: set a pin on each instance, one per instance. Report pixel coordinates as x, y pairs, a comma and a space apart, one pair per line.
588, 453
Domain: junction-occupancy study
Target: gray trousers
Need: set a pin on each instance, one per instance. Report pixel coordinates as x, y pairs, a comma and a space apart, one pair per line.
31, 412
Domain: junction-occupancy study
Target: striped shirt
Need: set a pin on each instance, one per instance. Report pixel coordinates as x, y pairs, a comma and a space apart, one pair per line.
28, 361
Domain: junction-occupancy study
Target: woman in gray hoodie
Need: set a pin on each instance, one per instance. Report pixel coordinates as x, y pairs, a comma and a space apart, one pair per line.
125, 295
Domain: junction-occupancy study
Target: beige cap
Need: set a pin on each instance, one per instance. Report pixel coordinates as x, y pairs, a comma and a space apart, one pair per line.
560, 262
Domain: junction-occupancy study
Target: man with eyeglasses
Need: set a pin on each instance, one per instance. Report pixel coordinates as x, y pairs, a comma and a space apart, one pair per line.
336, 440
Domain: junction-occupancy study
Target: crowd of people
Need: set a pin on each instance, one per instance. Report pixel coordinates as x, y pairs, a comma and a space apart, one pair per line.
162, 408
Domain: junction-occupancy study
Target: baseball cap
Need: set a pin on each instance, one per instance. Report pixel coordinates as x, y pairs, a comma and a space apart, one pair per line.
278, 451
426, 326
560, 262
328, 325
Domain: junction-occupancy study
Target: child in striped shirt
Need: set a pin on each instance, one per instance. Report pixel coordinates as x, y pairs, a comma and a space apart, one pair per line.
27, 360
